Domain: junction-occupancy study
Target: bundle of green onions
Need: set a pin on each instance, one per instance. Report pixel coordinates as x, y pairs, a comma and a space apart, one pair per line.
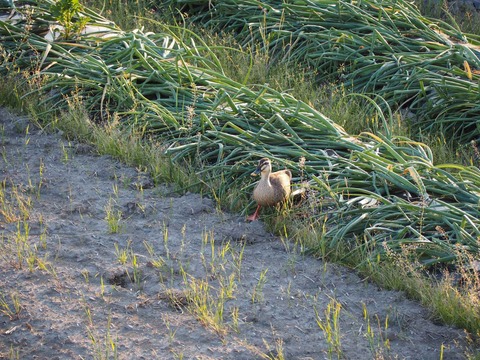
388, 195
386, 48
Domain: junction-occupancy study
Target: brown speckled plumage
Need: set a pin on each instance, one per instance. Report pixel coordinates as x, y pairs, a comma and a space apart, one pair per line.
273, 188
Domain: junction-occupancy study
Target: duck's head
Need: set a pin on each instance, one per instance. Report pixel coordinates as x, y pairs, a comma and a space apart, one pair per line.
264, 167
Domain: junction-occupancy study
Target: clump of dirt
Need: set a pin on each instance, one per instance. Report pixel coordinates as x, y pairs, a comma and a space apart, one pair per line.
97, 263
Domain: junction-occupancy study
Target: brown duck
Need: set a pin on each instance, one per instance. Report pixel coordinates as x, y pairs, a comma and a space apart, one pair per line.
272, 189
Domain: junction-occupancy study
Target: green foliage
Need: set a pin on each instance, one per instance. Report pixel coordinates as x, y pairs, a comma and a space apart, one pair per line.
66, 12
389, 50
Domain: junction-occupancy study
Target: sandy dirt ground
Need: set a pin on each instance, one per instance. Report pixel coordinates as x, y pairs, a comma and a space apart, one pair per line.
97, 263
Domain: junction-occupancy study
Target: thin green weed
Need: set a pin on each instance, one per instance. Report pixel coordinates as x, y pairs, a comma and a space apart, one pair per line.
11, 307
329, 323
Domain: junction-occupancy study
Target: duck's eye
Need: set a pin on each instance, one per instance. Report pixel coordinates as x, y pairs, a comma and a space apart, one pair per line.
263, 164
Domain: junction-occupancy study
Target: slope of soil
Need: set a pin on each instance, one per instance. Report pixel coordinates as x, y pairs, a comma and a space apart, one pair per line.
136, 272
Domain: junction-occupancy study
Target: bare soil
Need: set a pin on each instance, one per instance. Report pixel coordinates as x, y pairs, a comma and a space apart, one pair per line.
182, 255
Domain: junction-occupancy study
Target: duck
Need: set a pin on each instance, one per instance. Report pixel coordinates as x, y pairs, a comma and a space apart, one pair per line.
272, 189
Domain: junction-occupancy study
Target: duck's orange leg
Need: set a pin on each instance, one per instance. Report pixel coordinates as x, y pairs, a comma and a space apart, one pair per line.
255, 215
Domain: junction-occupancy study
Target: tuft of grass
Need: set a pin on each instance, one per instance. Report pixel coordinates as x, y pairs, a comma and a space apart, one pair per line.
103, 347
11, 307
378, 342
13, 354
11, 92
15, 204
257, 292
113, 217
129, 259
205, 297
274, 354
156, 261
206, 304
330, 326
122, 254
20, 250
18, 247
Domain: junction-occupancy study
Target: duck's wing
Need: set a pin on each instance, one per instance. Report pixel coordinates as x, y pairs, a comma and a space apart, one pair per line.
282, 174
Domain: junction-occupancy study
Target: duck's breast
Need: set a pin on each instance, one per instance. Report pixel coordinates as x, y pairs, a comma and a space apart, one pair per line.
273, 191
